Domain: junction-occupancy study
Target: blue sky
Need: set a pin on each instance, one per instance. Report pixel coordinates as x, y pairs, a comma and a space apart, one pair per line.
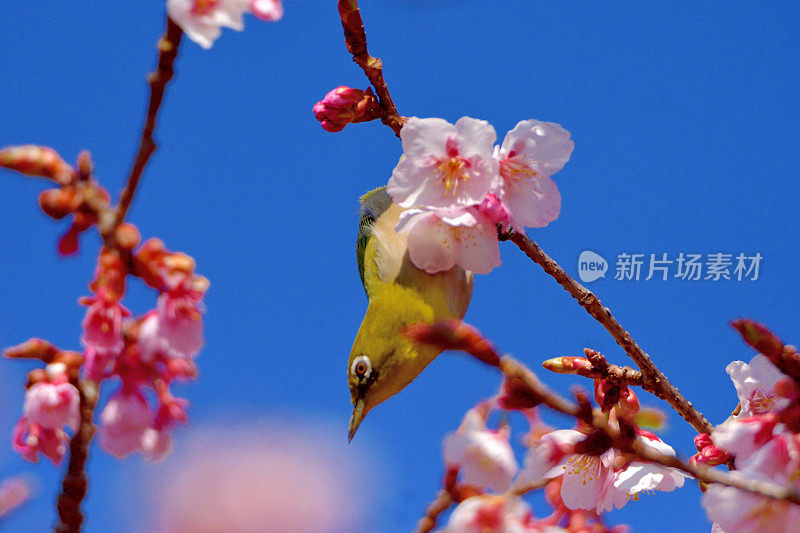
686, 127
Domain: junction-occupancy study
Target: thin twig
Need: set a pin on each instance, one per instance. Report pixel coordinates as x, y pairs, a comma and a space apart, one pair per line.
655, 381
167, 51
513, 369
74, 486
356, 40
442, 503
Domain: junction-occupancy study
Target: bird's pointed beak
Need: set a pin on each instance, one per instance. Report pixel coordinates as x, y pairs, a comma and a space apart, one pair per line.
356, 418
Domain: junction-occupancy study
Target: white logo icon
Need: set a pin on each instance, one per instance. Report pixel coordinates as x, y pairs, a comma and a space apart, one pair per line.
591, 266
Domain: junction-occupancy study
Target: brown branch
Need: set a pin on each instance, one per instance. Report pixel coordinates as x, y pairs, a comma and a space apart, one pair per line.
512, 369
442, 503
356, 40
167, 51
654, 380
595, 366
74, 486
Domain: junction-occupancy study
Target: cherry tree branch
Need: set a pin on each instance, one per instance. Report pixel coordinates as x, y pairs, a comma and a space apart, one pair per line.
356, 40
168, 51
654, 380
514, 370
442, 503
74, 486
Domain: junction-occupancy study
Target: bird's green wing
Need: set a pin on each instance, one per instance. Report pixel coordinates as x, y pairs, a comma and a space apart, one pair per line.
373, 205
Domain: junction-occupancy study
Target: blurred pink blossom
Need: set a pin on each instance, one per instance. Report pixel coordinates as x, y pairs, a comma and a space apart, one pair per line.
264, 476
483, 456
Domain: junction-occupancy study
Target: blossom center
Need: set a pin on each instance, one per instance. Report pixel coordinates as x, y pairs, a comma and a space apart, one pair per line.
204, 7
453, 170
762, 403
585, 466
514, 168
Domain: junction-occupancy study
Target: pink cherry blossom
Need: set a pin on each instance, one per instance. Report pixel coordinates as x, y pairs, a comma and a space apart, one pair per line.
531, 153
498, 214
52, 405
755, 386
124, 421
585, 477
150, 343
30, 438
441, 239
156, 443
638, 476
490, 514
14, 491
180, 324
102, 325
742, 437
734, 510
484, 457
444, 165
269, 10
202, 20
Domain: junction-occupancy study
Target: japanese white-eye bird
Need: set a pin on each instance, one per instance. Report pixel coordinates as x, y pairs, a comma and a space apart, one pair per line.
383, 361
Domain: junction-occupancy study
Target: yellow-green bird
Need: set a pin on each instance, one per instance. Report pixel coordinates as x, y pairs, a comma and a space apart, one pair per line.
382, 360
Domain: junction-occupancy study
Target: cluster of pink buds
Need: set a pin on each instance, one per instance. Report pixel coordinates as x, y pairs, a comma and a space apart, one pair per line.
345, 105
146, 353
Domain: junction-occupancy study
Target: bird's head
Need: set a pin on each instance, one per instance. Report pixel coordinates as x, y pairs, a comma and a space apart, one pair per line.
383, 361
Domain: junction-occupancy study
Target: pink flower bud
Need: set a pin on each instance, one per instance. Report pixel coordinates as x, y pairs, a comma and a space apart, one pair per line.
51, 406
702, 440
496, 211
711, 456
37, 161
124, 421
344, 105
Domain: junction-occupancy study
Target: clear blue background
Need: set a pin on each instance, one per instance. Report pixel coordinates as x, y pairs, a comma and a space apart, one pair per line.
686, 123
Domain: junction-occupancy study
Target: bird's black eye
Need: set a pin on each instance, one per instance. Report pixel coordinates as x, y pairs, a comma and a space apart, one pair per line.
361, 367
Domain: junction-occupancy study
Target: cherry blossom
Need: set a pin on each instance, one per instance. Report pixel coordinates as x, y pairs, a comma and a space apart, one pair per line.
639, 476
52, 405
755, 386
585, 477
202, 20
102, 325
734, 510
489, 513
531, 153
484, 457
49, 405
440, 239
269, 10
124, 421
180, 324
444, 165
743, 437
156, 443
29, 439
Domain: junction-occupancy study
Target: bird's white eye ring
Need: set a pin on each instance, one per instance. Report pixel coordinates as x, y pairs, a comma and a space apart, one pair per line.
361, 367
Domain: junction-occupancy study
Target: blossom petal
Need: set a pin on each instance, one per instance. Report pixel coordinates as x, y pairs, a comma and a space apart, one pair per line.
432, 245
